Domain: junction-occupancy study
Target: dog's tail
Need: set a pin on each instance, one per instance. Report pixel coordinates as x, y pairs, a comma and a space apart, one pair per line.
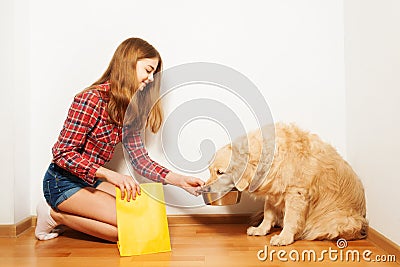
256, 218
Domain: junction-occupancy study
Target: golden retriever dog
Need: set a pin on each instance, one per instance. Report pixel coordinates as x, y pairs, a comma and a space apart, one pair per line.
309, 189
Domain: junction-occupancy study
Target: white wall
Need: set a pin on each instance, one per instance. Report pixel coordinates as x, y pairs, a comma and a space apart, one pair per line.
15, 114
22, 112
292, 50
372, 41
7, 133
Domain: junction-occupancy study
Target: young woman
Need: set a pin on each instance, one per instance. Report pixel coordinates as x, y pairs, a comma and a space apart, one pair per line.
79, 190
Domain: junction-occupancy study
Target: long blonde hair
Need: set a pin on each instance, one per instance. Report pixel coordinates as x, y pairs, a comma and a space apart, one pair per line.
144, 106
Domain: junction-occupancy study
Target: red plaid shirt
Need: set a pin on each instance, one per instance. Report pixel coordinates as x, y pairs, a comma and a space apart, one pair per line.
88, 140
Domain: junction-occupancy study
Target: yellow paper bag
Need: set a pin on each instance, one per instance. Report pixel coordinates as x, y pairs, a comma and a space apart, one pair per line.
142, 223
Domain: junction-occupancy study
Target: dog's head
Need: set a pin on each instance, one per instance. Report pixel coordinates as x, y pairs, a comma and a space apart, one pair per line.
233, 166
243, 164
221, 176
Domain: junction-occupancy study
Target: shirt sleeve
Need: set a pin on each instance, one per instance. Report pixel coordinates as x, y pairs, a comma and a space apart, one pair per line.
139, 158
82, 117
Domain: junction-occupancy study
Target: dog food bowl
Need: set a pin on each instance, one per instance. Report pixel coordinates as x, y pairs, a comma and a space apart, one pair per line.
222, 198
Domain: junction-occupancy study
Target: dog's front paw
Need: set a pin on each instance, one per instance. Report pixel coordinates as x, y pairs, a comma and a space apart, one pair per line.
281, 240
257, 231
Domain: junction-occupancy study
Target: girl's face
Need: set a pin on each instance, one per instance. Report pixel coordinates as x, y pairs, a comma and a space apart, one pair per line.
145, 69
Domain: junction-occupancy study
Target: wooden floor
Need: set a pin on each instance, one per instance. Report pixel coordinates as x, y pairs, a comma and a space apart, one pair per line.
192, 245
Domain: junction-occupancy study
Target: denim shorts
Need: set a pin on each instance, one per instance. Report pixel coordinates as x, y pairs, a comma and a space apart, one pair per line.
59, 185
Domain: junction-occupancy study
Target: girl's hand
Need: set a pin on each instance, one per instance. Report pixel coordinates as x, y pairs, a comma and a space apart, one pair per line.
125, 182
190, 184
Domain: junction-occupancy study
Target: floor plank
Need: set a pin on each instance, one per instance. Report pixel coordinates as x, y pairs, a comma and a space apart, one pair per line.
192, 245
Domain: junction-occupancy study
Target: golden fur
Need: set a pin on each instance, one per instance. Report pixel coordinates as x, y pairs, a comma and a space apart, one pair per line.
309, 189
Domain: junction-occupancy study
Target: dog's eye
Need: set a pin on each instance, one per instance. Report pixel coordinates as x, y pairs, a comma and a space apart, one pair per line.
219, 172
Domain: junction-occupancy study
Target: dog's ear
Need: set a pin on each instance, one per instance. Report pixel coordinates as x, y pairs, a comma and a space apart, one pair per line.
243, 147
241, 166
242, 184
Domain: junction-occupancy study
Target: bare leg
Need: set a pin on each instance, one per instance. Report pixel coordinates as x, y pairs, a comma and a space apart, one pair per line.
90, 211
107, 187
88, 226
